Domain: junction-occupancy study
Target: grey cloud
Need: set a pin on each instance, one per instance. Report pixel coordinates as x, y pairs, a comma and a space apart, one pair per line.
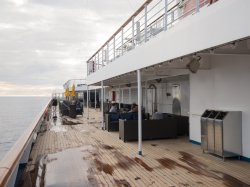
48, 41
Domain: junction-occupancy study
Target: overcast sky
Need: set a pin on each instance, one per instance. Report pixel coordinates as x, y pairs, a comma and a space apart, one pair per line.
43, 43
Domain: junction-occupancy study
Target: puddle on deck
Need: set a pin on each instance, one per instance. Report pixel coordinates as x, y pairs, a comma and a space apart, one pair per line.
58, 124
78, 167
55, 125
70, 168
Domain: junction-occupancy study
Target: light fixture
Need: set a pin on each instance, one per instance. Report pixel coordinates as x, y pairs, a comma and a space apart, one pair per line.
194, 64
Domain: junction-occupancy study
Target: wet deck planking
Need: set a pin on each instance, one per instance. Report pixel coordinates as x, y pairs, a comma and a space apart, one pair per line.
160, 175
147, 170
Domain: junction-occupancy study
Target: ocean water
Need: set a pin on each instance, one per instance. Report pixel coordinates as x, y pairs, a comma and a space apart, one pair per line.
16, 114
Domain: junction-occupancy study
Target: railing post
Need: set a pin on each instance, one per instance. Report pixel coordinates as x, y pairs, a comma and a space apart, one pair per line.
166, 15
172, 18
87, 68
114, 47
107, 53
133, 31
92, 65
146, 23
102, 57
197, 6
96, 63
122, 40
138, 32
98, 59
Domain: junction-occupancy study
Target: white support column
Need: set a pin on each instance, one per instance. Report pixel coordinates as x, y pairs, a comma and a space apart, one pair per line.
139, 112
197, 6
166, 15
104, 93
146, 22
95, 98
114, 47
133, 31
87, 102
122, 41
119, 97
102, 102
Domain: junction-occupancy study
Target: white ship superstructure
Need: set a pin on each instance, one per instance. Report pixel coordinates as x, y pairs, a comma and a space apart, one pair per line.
176, 75
199, 49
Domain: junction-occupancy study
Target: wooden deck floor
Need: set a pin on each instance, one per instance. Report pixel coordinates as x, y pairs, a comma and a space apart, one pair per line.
173, 162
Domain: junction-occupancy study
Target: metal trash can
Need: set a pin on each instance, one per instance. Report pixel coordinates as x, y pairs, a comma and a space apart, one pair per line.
204, 117
221, 132
210, 130
218, 133
228, 134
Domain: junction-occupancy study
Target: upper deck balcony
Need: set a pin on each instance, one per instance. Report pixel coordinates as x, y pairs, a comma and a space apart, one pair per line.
162, 30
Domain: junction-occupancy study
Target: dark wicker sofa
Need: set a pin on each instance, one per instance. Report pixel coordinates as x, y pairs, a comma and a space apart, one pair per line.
112, 119
182, 123
151, 129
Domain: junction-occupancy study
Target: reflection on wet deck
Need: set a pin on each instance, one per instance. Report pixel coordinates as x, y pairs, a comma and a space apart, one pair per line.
85, 155
70, 167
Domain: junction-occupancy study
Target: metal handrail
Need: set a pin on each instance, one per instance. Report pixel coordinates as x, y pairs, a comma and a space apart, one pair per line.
150, 19
10, 161
131, 17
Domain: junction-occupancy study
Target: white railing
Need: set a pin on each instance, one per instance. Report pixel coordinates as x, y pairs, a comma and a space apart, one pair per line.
19, 152
149, 20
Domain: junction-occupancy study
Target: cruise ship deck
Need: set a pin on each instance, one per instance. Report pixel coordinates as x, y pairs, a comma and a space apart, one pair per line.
94, 157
